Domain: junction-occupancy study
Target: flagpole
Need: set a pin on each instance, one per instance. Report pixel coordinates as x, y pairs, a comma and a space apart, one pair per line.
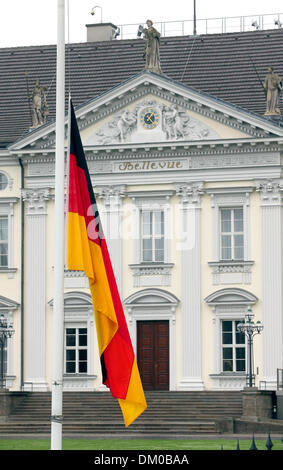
195, 19
59, 235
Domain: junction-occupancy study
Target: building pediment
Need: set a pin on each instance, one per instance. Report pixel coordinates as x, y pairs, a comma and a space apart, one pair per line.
151, 120
152, 108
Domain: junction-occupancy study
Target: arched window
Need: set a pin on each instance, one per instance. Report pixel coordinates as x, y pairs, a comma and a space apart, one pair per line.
229, 306
7, 234
7, 309
80, 357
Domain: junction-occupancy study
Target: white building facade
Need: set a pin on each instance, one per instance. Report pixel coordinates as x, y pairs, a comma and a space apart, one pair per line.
189, 190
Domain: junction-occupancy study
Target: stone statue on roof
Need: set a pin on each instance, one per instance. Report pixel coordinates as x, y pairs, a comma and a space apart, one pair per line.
152, 48
39, 105
273, 87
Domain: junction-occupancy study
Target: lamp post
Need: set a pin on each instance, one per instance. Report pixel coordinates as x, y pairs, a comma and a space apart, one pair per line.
6, 331
93, 11
250, 328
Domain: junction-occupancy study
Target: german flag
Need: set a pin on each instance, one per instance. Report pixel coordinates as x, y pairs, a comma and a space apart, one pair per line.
87, 251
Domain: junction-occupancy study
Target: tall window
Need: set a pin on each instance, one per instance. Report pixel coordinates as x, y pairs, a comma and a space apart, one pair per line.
3, 358
3, 181
233, 347
76, 350
232, 234
152, 234
3, 241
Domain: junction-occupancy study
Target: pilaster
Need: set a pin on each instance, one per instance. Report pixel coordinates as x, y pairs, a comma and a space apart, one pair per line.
111, 215
190, 200
35, 285
272, 277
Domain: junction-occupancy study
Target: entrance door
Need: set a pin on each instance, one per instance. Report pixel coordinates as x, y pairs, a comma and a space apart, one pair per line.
153, 354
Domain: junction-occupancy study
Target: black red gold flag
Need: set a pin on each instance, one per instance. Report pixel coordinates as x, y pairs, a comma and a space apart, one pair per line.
88, 252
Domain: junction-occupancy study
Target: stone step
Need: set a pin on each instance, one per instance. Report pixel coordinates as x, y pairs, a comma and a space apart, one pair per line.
118, 413
114, 405
158, 428
117, 417
149, 412
151, 394
98, 412
173, 401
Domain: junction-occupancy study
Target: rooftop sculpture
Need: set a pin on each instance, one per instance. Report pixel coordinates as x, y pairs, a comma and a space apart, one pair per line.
39, 105
273, 87
152, 48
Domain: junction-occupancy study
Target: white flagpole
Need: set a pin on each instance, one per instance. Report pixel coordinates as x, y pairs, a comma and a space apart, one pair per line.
59, 235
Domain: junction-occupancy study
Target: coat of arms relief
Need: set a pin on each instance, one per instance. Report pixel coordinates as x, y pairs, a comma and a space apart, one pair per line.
151, 121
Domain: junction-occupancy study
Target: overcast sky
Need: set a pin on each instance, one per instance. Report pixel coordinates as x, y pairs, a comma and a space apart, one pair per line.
26, 22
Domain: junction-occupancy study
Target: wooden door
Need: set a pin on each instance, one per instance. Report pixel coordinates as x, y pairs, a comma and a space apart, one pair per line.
153, 354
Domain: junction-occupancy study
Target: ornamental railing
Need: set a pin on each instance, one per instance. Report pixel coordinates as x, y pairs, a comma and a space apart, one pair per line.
208, 26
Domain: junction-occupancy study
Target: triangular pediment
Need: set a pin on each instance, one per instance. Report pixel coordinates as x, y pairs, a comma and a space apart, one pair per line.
7, 305
151, 108
151, 120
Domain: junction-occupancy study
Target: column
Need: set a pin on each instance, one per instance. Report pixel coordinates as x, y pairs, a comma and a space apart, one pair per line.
190, 204
111, 218
35, 283
271, 256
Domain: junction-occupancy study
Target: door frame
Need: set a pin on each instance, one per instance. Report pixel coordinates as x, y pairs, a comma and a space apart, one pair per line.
155, 352
150, 305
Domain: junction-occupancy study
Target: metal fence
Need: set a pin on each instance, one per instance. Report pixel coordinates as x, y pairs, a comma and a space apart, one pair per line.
208, 25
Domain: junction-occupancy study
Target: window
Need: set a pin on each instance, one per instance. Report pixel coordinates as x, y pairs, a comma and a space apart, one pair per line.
76, 351
7, 235
152, 236
232, 233
233, 347
3, 181
3, 361
3, 241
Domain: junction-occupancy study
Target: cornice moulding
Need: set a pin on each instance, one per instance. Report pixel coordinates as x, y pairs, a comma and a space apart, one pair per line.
229, 190
159, 193
230, 264
9, 200
228, 146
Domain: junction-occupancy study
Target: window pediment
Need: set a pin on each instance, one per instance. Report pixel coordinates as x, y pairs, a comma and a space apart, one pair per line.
73, 300
151, 297
231, 296
7, 304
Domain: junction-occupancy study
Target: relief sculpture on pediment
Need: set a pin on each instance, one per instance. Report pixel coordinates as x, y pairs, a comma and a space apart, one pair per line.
177, 124
152, 121
117, 130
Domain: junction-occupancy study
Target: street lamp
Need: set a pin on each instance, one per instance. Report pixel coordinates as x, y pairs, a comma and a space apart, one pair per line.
250, 328
6, 331
93, 11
